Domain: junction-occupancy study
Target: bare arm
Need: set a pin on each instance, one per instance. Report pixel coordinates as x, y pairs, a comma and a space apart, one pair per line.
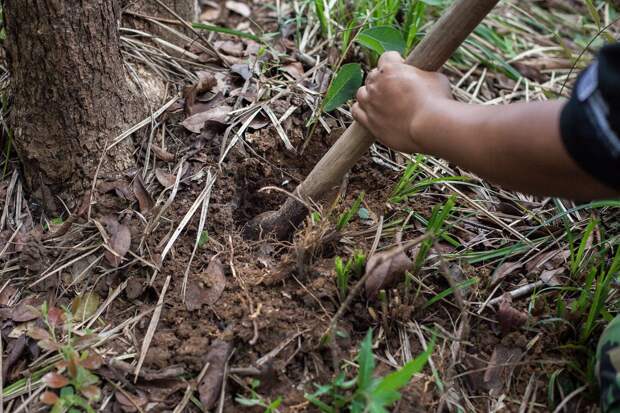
517, 146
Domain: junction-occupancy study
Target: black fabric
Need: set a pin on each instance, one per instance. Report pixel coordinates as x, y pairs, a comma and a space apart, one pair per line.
590, 121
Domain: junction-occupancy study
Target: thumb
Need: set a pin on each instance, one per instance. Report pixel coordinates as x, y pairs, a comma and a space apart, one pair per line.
390, 57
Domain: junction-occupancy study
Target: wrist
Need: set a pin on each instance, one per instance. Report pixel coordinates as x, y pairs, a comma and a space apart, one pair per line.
432, 123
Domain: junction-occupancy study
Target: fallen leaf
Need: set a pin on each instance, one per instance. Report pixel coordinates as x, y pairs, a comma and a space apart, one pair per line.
196, 122
145, 201
214, 282
504, 271
239, 8
84, 306
209, 387
164, 178
119, 186
14, 351
386, 269
49, 398
21, 329
508, 317
37, 333
55, 316
25, 311
129, 402
295, 69
6, 294
55, 380
242, 69
48, 345
205, 83
120, 240
230, 47
500, 368
162, 154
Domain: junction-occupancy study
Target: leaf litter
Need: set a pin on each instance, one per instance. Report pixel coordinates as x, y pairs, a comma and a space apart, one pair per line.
237, 315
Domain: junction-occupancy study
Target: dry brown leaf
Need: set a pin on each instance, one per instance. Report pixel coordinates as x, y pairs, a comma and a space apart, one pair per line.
85, 305
504, 271
21, 329
295, 69
37, 333
129, 402
25, 311
386, 269
242, 69
162, 154
49, 345
209, 388
501, 365
206, 82
164, 178
508, 317
196, 122
239, 8
145, 201
214, 282
55, 316
6, 294
14, 353
120, 240
230, 47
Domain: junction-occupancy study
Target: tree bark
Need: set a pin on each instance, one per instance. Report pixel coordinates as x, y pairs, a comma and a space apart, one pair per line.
72, 95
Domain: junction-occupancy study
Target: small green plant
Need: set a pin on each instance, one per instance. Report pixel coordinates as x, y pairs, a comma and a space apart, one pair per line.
410, 185
354, 266
256, 399
366, 393
204, 238
73, 378
346, 216
577, 257
434, 227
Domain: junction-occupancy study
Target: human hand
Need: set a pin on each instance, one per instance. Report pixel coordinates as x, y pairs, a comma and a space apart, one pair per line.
400, 103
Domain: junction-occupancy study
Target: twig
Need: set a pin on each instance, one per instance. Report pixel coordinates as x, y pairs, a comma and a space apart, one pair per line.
201, 225
150, 332
569, 398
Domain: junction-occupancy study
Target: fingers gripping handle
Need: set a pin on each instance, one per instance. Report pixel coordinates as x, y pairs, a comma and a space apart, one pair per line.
433, 51
436, 47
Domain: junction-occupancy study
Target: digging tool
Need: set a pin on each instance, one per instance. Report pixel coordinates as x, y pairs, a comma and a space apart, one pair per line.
433, 51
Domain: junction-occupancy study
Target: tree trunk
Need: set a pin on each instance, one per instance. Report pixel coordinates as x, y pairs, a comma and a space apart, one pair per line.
72, 95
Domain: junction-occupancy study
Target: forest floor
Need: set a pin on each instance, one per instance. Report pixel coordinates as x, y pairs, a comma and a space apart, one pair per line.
190, 316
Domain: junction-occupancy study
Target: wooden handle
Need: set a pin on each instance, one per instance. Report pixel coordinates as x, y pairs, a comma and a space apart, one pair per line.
430, 54
433, 51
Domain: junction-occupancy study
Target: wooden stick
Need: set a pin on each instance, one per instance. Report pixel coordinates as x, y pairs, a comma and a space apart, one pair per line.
445, 37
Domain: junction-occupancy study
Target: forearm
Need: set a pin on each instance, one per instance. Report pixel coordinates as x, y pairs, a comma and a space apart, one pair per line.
517, 146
